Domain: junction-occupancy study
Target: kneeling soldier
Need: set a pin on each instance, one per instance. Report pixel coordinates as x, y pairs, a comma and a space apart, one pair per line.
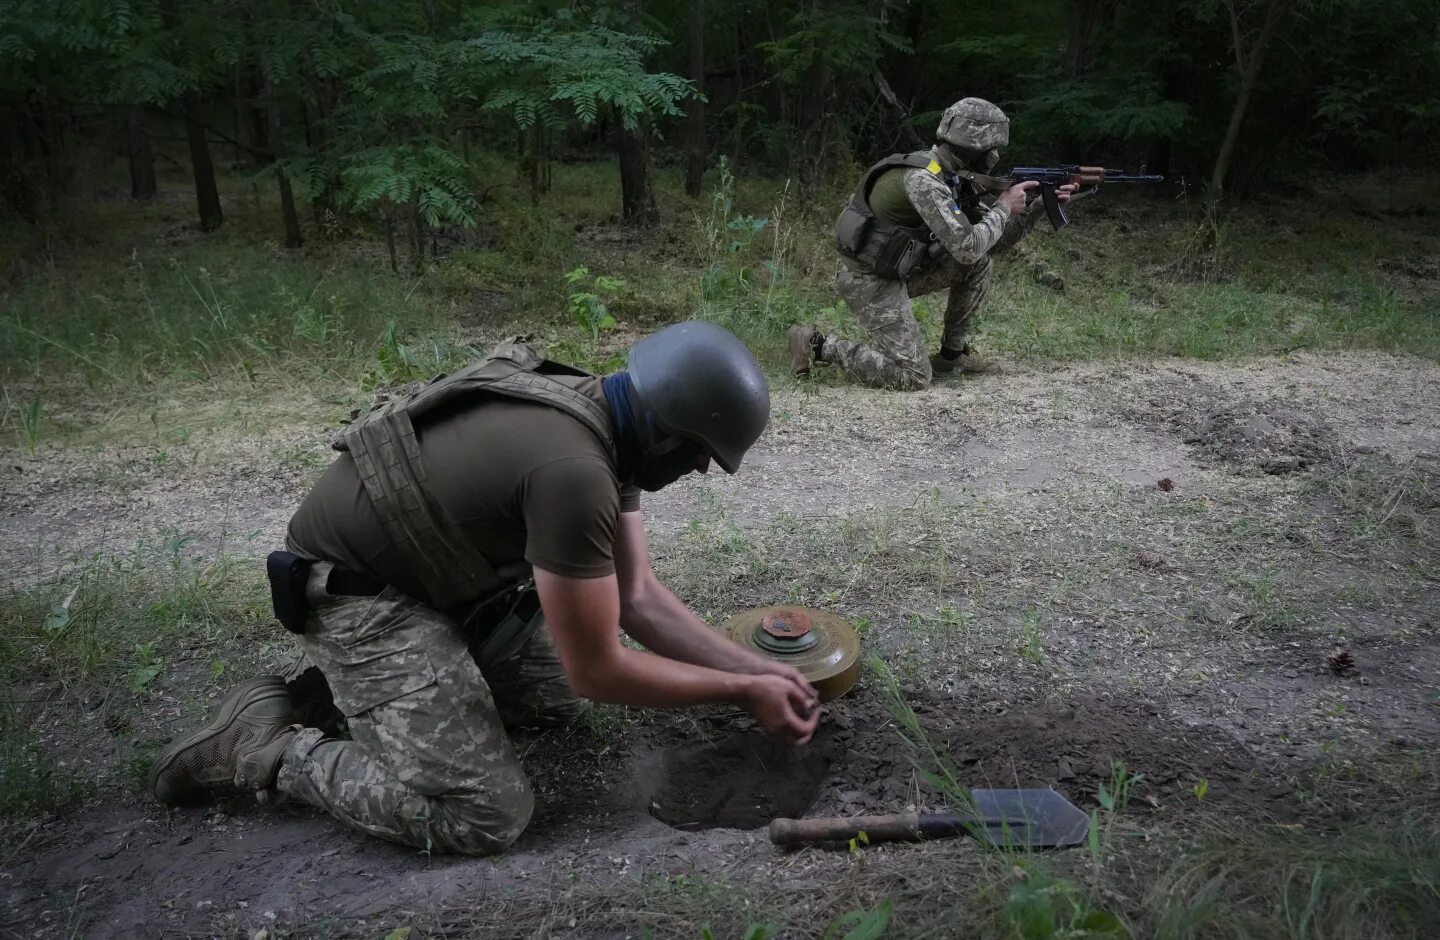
463, 567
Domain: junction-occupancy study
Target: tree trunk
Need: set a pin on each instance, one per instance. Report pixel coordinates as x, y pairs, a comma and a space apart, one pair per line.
53, 147
637, 199
207, 195
317, 110
1248, 64
17, 185
141, 154
237, 98
810, 156
695, 131
913, 140
277, 147
417, 228
387, 215
531, 162
1084, 19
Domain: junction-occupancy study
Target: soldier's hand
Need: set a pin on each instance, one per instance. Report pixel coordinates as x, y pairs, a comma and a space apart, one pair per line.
1016, 196
782, 708
1065, 192
768, 667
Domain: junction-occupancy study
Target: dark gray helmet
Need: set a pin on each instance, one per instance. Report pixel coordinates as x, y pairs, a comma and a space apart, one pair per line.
702, 384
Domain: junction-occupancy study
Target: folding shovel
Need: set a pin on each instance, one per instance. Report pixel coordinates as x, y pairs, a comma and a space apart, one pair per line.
1025, 819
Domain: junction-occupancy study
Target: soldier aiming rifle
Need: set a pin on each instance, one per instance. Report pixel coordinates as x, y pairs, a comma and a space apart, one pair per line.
929, 221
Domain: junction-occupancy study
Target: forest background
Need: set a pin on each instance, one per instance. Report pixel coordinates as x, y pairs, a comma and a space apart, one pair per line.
232, 224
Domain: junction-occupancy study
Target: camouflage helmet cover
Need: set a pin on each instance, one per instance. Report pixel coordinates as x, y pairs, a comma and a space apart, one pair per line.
974, 124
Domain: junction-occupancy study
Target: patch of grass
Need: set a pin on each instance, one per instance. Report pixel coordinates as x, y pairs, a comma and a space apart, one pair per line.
30, 781
113, 618
1030, 641
1387, 502
1376, 880
756, 280
714, 905
215, 308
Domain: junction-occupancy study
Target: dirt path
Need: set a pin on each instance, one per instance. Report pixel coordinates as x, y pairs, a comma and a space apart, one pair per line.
1063, 567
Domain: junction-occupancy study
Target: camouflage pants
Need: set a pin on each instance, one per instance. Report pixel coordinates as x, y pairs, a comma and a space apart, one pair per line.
896, 356
429, 762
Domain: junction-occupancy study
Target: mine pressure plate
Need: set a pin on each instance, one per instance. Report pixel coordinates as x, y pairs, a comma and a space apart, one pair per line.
822, 646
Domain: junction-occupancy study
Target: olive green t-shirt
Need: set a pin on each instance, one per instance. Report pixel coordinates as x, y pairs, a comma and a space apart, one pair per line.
889, 201
524, 481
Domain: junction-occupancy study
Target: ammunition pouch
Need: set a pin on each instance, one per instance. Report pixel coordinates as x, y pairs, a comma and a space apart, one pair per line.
884, 248
288, 574
851, 230
901, 256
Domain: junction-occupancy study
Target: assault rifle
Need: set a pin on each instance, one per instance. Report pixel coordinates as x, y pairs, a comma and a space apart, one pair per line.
1051, 178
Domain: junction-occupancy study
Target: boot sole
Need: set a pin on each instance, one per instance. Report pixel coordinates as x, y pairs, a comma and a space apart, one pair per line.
242, 697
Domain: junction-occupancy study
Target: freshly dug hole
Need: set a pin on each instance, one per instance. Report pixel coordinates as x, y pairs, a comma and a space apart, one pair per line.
739, 781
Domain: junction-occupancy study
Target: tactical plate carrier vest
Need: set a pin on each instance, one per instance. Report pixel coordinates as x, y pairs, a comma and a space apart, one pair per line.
883, 247
387, 458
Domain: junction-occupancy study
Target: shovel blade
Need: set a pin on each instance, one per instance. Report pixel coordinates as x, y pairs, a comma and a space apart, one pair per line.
1033, 819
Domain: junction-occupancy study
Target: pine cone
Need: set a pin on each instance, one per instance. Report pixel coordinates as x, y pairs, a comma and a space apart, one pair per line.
1342, 661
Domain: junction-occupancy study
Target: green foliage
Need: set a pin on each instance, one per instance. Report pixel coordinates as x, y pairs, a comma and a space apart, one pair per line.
117, 51
30, 780
538, 66
1042, 906
588, 307
148, 666
1374, 878
32, 422
425, 176
861, 925
1112, 799
846, 38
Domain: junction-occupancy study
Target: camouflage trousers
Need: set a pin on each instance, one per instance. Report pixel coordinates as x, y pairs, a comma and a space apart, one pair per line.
429, 762
895, 356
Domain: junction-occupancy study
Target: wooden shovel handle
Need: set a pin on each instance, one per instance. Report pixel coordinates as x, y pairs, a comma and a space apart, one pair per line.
902, 827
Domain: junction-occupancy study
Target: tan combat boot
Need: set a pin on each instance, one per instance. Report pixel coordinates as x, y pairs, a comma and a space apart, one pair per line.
964, 361
241, 747
802, 348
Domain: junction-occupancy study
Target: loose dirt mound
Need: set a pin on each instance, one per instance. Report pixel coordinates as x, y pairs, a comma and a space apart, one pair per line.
1072, 748
1241, 431
1274, 438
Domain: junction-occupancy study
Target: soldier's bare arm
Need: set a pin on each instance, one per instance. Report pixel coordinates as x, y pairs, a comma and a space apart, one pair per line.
651, 613
967, 243
584, 616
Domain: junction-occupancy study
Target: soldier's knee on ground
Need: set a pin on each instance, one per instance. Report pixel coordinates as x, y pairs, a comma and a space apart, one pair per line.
482, 823
915, 376
562, 714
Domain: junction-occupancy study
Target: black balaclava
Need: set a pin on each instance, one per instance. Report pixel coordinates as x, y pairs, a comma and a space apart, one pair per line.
648, 457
